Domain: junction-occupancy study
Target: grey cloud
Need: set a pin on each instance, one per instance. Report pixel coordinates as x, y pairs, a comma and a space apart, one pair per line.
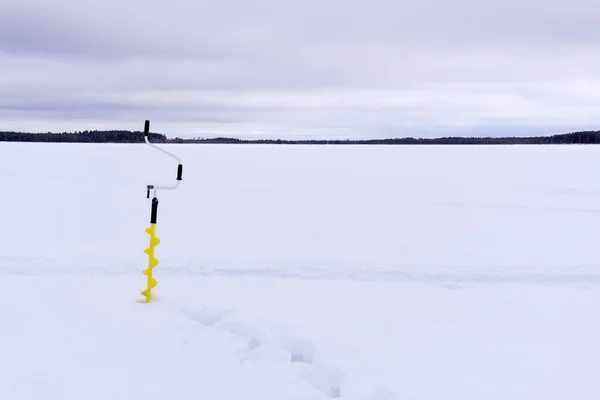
242, 30
331, 67
63, 32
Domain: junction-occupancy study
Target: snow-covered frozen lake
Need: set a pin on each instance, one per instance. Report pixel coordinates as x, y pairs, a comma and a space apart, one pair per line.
299, 272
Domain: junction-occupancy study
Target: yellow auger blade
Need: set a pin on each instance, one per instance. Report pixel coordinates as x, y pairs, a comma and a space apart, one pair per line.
152, 262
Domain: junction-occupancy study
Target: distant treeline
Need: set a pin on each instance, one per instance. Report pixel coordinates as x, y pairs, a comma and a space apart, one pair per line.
82, 137
116, 136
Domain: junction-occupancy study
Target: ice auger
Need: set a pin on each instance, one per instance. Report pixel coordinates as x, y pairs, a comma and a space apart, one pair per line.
155, 241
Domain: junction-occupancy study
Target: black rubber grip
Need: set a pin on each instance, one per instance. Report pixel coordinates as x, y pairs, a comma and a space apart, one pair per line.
154, 213
179, 172
146, 128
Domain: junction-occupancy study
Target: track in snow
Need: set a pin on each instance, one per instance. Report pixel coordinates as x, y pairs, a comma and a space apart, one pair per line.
289, 351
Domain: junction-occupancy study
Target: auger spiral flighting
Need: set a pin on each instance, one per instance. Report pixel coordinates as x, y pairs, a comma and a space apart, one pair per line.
155, 241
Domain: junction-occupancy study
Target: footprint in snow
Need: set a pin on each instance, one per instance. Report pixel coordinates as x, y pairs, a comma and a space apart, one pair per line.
206, 316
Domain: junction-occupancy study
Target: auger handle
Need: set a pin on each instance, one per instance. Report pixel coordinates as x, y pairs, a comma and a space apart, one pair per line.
179, 165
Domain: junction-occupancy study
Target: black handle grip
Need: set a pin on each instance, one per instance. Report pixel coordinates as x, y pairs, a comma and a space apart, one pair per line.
179, 172
154, 211
146, 128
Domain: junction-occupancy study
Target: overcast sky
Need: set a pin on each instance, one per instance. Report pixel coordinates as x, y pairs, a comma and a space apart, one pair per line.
310, 68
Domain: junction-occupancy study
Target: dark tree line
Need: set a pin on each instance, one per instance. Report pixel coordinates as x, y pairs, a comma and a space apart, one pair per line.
118, 136
82, 137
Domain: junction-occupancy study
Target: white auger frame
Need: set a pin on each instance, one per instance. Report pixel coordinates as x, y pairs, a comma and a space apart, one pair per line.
179, 164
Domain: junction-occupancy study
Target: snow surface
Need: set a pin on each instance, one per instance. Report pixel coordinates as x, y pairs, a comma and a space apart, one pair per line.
298, 272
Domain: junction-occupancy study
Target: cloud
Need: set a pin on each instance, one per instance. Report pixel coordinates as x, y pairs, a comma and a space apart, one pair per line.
314, 68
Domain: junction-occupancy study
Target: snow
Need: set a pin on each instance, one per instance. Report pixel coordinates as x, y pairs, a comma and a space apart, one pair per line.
299, 272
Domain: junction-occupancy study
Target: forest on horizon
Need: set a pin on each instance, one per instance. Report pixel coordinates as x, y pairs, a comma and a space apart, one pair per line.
123, 136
